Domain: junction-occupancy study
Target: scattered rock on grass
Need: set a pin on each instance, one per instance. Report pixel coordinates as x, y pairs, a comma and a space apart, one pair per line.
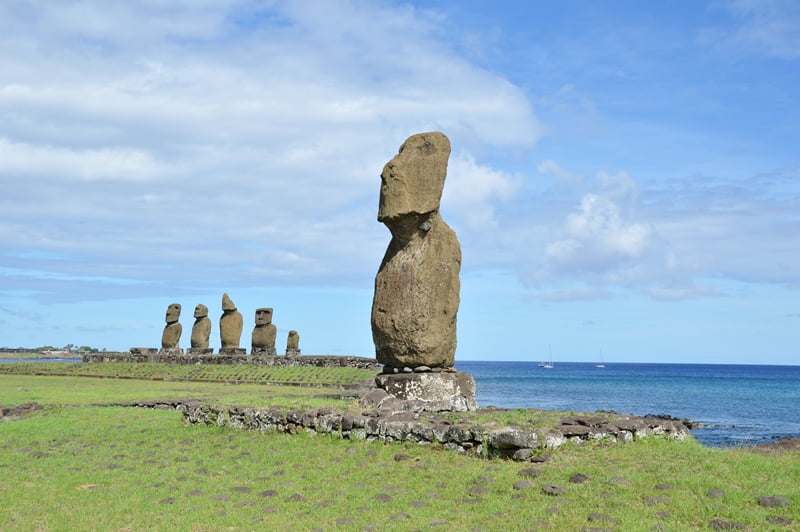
552, 489
721, 524
778, 520
768, 501
716, 493
523, 484
596, 516
531, 472
652, 501
578, 478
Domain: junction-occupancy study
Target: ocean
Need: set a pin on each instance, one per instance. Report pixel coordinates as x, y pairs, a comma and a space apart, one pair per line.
736, 404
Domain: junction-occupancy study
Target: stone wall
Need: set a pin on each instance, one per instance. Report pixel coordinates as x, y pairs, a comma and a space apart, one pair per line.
511, 442
175, 358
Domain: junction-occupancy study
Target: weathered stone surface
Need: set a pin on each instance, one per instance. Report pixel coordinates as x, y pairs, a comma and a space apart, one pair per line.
201, 330
293, 344
236, 356
419, 392
171, 336
230, 324
264, 333
770, 501
417, 286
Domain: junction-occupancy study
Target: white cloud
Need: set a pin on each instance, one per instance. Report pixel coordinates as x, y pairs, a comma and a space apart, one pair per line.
23, 160
473, 189
240, 141
597, 238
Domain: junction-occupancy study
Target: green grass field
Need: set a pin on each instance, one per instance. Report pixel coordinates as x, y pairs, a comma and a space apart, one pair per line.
73, 466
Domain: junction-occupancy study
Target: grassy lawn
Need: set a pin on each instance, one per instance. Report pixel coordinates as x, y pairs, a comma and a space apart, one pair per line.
75, 466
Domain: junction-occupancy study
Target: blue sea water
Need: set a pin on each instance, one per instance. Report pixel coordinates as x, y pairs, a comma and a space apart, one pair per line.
737, 404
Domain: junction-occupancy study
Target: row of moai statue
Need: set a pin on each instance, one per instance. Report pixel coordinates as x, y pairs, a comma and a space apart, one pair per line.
230, 331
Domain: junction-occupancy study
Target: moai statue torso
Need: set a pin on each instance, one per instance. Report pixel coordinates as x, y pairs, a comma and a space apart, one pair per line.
201, 330
230, 324
171, 336
264, 333
417, 286
293, 344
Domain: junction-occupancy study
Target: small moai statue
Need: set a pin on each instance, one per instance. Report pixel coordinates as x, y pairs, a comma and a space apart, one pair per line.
264, 333
201, 330
230, 327
171, 336
293, 344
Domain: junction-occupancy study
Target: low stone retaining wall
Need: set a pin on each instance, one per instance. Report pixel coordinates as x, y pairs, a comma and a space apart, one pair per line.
172, 358
510, 442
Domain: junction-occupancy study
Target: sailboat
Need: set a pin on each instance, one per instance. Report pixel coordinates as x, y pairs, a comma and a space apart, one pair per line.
600, 364
547, 365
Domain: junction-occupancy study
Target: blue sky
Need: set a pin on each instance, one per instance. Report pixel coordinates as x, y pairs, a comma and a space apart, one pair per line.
625, 176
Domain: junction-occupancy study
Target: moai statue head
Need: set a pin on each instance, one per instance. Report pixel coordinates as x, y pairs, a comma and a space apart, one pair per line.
173, 313
200, 311
263, 316
227, 304
412, 183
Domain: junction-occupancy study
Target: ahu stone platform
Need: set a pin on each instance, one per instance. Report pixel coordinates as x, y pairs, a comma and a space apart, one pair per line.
206, 357
478, 439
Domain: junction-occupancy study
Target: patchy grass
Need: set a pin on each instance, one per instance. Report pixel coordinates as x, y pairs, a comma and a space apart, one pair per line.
121, 468
75, 391
76, 466
239, 373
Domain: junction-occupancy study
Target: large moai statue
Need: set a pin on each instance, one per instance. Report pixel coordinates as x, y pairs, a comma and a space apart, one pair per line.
417, 286
264, 333
171, 336
230, 327
201, 330
293, 344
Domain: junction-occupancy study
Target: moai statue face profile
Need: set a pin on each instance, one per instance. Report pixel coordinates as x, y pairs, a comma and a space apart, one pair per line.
264, 333
201, 330
173, 313
171, 336
230, 324
417, 286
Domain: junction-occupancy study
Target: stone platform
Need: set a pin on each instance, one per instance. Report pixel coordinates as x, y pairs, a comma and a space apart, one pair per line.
190, 357
422, 392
